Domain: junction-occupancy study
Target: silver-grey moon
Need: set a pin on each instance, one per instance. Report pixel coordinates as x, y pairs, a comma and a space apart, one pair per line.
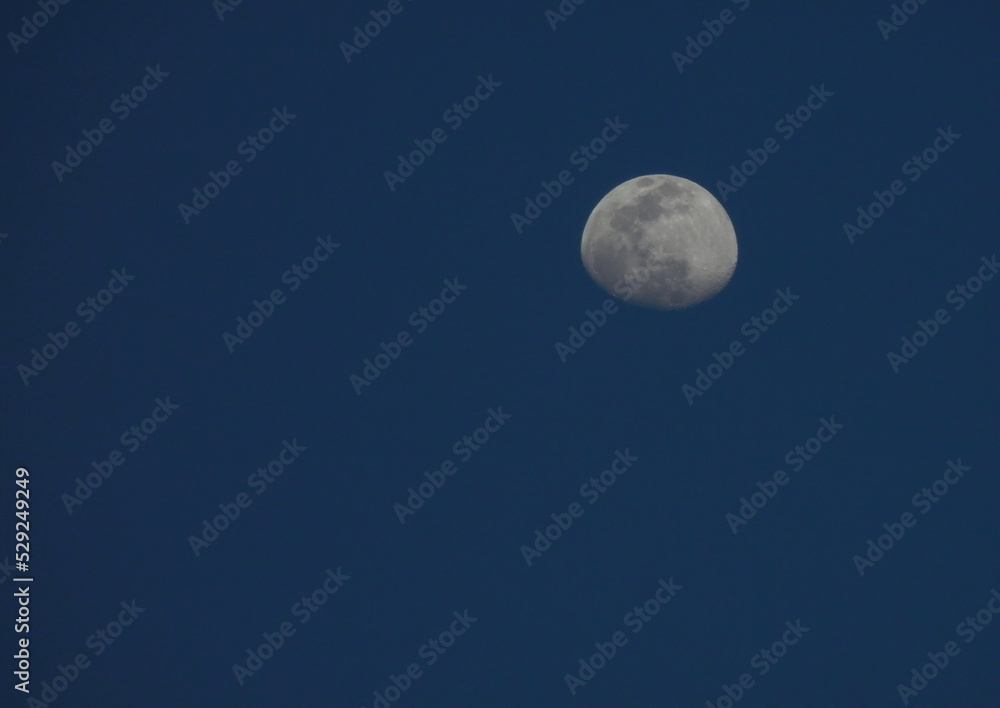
660, 241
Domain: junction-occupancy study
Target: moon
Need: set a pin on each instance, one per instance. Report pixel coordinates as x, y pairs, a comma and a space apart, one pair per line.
660, 241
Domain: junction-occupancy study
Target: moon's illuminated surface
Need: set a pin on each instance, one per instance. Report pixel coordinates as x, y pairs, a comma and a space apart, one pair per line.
660, 241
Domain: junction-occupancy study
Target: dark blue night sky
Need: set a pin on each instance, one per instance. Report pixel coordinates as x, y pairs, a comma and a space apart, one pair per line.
313, 402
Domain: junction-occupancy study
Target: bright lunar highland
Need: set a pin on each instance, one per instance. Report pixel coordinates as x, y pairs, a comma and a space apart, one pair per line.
660, 241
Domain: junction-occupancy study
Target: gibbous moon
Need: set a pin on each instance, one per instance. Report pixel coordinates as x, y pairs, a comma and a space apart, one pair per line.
660, 241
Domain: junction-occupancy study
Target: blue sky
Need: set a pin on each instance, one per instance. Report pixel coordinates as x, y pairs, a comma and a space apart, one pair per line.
266, 284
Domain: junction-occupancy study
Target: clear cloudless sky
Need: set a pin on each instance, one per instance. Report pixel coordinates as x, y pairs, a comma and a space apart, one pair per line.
241, 497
